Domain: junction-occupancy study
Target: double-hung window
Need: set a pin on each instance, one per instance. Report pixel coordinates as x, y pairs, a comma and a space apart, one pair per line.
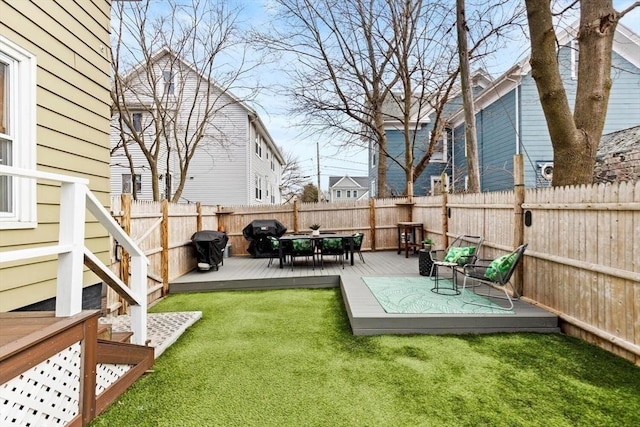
17, 134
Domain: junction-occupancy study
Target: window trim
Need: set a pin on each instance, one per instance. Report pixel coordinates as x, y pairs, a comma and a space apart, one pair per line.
169, 82
22, 75
444, 137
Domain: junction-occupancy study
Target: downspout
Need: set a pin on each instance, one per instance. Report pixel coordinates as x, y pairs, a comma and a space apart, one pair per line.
453, 158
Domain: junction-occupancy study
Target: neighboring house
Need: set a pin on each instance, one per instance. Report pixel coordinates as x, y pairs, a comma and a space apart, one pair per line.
429, 182
618, 157
54, 117
510, 120
348, 188
237, 163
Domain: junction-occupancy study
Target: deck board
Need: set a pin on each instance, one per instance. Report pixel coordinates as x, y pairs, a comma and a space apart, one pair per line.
366, 316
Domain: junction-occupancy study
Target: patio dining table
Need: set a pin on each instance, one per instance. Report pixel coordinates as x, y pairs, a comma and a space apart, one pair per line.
345, 237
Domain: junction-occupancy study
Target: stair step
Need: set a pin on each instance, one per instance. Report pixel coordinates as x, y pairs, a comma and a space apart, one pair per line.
121, 336
104, 331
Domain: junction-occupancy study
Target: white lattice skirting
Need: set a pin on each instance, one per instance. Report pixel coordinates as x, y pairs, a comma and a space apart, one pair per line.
48, 394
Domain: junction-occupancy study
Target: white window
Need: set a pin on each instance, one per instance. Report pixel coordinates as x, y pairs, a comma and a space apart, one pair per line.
137, 121
17, 134
127, 184
440, 149
355, 194
437, 186
338, 194
258, 146
348, 193
575, 54
169, 82
258, 187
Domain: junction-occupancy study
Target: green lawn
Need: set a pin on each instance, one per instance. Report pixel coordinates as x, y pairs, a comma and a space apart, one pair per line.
287, 358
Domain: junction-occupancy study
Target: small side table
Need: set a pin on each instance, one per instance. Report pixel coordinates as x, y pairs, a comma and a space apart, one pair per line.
407, 229
442, 290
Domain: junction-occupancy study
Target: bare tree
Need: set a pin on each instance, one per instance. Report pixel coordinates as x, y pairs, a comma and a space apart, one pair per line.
467, 100
342, 75
574, 136
292, 178
170, 83
365, 63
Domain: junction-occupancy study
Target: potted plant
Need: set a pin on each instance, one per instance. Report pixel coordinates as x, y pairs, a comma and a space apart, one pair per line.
426, 243
315, 229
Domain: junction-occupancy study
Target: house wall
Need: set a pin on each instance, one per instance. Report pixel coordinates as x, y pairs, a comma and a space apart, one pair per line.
496, 124
71, 43
222, 170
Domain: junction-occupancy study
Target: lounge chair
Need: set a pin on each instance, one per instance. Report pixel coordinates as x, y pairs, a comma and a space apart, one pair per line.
496, 275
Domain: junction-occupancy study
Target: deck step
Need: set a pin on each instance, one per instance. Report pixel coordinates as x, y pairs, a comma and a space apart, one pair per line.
121, 337
105, 331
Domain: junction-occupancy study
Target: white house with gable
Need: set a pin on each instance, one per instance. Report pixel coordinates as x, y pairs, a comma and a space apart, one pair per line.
237, 161
347, 187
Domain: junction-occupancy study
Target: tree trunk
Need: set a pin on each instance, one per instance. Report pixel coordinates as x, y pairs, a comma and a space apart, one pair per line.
574, 137
467, 101
382, 157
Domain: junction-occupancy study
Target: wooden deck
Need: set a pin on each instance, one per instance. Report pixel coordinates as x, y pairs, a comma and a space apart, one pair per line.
367, 317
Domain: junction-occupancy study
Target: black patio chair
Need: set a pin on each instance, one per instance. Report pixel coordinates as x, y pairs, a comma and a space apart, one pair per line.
274, 246
331, 246
357, 244
496, 275
463, 250
301, 248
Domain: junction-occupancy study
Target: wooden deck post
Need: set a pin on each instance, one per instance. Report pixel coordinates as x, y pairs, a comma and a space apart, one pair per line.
372, 222
125, 206
518, 216
296, 219
164, 240
88, 370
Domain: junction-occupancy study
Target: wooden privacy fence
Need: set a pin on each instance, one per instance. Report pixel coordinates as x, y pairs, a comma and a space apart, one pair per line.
163, 231
582, 262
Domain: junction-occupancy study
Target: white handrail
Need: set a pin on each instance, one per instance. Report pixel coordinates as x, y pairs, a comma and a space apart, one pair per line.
75, 199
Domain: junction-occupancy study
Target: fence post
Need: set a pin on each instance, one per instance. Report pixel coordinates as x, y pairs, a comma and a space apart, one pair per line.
518, 218
296, 227
164, 241
372, 222
445, 221
125, 206
199, 217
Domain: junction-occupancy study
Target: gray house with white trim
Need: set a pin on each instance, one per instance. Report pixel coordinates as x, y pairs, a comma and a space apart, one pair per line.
237, 162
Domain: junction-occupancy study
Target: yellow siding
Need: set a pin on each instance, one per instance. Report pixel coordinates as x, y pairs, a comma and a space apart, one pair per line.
70, 39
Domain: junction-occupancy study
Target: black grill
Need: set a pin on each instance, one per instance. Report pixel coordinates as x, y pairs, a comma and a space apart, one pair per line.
209, 246
257, 233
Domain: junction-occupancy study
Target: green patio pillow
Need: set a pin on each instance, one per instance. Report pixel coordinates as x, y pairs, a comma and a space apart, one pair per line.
275, 243
459, 254
302, 245
500, 265
332, 243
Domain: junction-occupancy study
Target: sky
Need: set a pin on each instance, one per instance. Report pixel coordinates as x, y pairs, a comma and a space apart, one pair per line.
272, 108
272, 105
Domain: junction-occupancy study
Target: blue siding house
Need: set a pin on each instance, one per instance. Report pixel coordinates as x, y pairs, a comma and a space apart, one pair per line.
429, 181
510, 120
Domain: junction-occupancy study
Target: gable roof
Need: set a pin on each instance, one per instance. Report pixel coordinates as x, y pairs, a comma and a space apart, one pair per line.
165, 51
350, 181
626, 43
